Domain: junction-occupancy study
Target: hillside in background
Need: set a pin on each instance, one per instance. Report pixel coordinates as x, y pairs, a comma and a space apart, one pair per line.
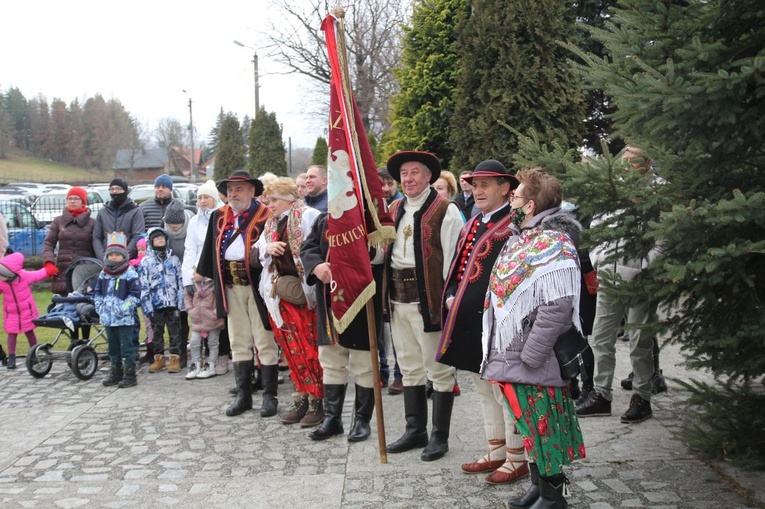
16, 167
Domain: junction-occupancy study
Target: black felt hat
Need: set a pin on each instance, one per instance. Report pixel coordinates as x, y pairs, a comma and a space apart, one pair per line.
492, 168
430, 160
240, 176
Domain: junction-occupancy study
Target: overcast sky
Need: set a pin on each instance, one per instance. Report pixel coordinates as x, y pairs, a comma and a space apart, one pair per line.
145, 53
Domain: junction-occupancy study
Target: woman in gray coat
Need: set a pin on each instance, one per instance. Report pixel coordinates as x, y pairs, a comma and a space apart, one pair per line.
533, 298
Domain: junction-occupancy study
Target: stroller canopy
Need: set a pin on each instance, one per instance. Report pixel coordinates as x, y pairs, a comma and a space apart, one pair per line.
81, 274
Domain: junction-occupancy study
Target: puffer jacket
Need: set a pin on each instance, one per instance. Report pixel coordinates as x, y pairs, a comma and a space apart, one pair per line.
19, 307
535, 362
195, 239
161, 283
154, 211
201, 307
74, 236
117, 298
126, 219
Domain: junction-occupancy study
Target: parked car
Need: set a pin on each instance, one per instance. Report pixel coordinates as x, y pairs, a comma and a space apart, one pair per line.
188, 193
57, 187
102, 189
16, 194
25, 234
143, 192
31, 187
50, 205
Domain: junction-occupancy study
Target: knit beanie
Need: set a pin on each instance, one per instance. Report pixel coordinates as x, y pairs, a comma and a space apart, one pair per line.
120, 183
175, 215
164, 180
141, 244
79, 193
208, 189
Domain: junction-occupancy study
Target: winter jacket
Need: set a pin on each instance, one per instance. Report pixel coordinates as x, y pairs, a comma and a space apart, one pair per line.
624, 267
127, 219
177, 240
74, 236
195, 239
161, 283
117, 298
154, 211
201, 308
19, 307
535, 362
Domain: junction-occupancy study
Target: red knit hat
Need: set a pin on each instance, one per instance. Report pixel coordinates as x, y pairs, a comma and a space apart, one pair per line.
79, 193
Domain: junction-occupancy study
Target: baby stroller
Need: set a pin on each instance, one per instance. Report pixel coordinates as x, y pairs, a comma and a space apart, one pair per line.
77, 309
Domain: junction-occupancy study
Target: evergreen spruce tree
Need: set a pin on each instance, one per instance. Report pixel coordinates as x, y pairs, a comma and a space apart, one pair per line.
686, 80
230, 154
422, 109
513, 70
266, 148
320, 152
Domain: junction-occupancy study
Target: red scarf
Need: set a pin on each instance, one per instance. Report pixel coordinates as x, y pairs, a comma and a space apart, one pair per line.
77, 212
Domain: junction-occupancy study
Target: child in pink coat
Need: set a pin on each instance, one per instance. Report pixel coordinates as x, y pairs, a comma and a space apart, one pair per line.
19, 307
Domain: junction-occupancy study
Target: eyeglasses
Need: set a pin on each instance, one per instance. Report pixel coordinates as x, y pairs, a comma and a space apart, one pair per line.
516, 196
73, 198
116, 189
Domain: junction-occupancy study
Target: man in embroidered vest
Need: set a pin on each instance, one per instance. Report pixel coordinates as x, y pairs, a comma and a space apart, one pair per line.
232, 231
482, 239
427, 229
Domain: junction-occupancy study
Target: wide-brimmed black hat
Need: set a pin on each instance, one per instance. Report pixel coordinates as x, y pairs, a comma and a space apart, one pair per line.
430, 160
492, 168
240, 176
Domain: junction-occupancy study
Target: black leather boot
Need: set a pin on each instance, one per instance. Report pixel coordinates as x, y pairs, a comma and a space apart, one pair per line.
128, 379
233, 390
416, 414
532, 493
270, 376
438, 446
243, 401
257, 380
363, 408
114, 377
11, 364
551, 493
148, 357
334, 397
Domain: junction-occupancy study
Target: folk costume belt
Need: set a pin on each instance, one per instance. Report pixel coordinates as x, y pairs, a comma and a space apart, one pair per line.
235, 273
404, 285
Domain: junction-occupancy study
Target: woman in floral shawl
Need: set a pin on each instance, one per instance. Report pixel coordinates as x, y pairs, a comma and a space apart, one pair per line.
532, 299
292, 317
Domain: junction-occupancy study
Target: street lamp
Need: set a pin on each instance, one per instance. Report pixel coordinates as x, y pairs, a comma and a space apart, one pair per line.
192, 161
255, 67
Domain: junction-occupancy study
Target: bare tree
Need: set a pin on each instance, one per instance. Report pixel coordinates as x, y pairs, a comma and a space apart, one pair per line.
373, 30
170, 133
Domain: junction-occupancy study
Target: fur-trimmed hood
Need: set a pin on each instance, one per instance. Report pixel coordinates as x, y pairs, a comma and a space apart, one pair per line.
557, 219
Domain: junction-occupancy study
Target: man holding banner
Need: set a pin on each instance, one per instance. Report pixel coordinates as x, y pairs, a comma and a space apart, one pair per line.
427, 230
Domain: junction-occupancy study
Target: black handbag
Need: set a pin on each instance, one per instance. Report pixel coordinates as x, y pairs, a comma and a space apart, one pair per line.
574, 355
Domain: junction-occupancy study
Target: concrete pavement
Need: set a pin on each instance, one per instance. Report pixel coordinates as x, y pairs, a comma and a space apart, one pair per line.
167, 443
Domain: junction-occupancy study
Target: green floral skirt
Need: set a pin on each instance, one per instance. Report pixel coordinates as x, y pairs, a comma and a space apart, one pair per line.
548, 425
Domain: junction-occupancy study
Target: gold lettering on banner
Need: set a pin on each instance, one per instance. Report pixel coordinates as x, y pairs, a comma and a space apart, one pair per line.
337, 121
341, 239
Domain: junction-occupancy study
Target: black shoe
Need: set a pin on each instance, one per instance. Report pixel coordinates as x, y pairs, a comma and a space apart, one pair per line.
11, 361
639, 411
658, 384
587, 389
114, 377
595, 406
128, 379
627, 382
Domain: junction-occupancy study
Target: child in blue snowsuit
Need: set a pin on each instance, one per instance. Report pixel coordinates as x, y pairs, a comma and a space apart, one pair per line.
162, 298
117, 295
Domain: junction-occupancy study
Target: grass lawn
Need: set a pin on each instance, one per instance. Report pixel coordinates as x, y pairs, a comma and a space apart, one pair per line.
20, 168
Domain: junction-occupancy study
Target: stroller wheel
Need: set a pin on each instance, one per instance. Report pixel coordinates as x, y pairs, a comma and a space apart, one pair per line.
84, 362
39, 360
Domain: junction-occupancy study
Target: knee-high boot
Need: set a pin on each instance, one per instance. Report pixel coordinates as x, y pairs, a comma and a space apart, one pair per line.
551, 493
416, 414
532, 493
334, 397
438, 445
270, 376
243, 401
363, 408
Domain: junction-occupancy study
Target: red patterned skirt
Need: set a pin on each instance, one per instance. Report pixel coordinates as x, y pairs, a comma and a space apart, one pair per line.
297, 339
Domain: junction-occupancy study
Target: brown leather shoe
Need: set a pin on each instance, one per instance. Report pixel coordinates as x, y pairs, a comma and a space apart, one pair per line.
504, 474
397, 387
315, 414
297, 411
158, 364
480, 467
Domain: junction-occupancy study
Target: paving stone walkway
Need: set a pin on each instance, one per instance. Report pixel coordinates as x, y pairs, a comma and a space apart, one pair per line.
167, 443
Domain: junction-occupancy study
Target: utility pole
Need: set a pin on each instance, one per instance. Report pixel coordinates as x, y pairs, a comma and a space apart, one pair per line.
255, 69
191, 136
